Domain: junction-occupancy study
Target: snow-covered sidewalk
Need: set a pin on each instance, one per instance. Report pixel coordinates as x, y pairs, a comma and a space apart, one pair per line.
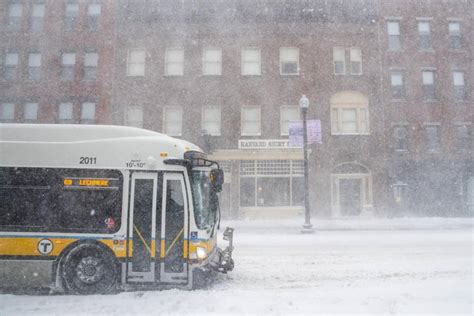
402, 266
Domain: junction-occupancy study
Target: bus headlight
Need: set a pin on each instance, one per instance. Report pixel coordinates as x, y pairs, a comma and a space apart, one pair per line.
201, 253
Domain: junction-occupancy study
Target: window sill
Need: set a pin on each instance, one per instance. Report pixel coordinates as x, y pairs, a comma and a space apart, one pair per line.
351, 134
289, 75
431, 51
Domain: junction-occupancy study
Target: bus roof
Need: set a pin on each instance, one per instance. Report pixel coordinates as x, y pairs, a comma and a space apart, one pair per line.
23, 144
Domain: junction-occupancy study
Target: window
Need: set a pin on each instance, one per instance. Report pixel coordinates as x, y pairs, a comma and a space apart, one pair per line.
36, 199
90, 66
134, 116
425, 36
15, 11
339, 58
349, 114
68, 62
463, 137
212, 62
7, 112
428, 85
174, 62
455, 40
136, 62
211, 121
400, 142
356, 61
37, 16
250, 123
70, 19
30, 113
459, 86
397, 86
93, 15
88, 113
34, 66
393, 29
433, 138
287, 114
65, 114
268, 183
173, 120
289, 59
251, 62
9, 67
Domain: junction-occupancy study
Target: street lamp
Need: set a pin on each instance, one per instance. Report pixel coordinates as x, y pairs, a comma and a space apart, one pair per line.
307, 227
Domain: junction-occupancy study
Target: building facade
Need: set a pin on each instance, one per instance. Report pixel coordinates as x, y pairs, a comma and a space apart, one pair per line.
390, 81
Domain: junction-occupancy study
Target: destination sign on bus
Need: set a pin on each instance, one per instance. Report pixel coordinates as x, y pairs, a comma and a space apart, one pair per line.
88, 183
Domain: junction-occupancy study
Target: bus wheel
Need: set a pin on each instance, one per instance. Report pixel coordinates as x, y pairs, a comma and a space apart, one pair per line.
89, 269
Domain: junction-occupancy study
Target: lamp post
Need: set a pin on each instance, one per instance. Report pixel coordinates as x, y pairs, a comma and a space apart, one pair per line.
307, 226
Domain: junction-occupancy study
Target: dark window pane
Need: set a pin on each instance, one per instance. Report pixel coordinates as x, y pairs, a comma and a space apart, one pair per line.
298, 191
247, 191
273, 191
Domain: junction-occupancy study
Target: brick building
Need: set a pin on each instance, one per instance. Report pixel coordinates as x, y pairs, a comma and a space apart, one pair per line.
56, 59
391, 82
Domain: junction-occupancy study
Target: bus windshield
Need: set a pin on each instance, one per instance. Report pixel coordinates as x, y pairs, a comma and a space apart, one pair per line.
204, 199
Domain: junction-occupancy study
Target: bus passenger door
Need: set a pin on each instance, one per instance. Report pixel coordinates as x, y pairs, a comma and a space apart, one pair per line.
141, 228
174, 230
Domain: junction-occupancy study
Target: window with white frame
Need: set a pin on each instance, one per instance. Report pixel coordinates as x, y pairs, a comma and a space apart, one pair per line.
251, 62
30, 113
397, 85
288, 113
136, 62
91, 61
37, 16
65, 113
349, 114
173, 120
289, 61
93, 15
71, 15
68, 63
455, 40
88, 113
429, 92
134, 116
9, 66
393, 30
424, 33
34, 66
174, 62
433, 141
459, 86
250, 121
212, 62
356, 61
211, 121
7, 112
339, 58
15, 12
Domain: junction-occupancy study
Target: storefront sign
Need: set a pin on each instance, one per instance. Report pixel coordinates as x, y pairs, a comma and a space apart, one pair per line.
264, 144
296, 133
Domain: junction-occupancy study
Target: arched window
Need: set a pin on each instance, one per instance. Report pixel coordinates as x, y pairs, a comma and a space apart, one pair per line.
349, 114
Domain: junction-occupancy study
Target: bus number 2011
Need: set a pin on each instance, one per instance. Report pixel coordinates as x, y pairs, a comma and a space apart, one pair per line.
87, 160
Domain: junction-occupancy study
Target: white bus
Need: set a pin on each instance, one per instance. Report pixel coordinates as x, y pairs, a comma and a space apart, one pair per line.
88, 209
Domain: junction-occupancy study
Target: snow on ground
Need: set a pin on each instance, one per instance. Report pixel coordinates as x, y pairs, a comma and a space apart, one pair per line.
398, 266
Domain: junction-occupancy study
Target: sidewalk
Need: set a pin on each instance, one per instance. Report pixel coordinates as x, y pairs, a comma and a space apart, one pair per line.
406, 223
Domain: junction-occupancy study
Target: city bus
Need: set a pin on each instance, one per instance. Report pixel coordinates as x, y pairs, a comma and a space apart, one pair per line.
89, 209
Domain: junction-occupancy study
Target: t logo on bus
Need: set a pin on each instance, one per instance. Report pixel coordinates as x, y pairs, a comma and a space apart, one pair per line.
45, 246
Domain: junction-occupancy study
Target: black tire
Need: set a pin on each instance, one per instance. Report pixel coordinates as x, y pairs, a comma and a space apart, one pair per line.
89, 269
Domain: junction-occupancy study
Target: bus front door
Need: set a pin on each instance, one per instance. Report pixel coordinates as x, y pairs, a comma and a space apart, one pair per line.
141, 245
174, 230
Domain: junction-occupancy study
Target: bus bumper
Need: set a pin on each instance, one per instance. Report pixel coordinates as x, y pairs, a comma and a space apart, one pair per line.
223, 261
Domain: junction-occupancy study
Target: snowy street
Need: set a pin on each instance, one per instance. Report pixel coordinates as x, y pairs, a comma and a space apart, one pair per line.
363, 266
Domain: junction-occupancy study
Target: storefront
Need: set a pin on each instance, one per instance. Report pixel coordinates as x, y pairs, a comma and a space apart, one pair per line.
264, 179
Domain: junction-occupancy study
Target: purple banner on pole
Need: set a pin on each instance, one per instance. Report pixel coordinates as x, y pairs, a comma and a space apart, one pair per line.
313, 128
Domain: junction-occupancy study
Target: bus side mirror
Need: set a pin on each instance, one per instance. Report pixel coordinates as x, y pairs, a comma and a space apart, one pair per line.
217, 179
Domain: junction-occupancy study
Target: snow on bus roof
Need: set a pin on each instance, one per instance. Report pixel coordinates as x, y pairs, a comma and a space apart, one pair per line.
66, 133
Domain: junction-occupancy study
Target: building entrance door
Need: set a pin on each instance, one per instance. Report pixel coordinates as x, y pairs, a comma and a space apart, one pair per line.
350, 197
